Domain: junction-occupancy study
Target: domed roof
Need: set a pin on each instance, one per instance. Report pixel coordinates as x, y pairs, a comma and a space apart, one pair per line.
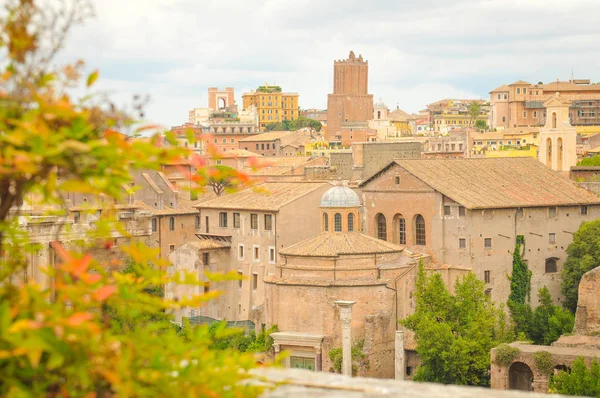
340, 196
380, 104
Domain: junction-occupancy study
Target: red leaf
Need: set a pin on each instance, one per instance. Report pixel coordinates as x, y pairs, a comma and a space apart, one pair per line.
104, 292
78, 318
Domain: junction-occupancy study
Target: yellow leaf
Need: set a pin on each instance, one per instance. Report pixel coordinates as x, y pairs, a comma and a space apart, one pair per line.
92, 77
34, 357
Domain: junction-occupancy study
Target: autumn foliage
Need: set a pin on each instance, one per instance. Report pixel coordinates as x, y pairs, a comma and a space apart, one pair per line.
90, 330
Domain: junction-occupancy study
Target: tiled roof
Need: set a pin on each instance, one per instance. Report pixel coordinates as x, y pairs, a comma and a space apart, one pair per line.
501, 88
272, 135
207, 244
334, 244
185, 207
498, 183
270, 196
519, 82
268, 166
239, 153
566, 86
274, 279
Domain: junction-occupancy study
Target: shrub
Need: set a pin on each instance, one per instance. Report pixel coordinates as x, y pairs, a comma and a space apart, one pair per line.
506, 354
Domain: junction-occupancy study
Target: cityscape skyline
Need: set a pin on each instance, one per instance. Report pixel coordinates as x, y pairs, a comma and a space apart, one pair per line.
412, 61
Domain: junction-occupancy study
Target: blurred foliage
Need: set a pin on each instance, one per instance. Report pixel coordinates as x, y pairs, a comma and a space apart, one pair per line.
81, 327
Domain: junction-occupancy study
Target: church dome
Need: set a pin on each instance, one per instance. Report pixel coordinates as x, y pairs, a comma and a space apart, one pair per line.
340, 196
380, 104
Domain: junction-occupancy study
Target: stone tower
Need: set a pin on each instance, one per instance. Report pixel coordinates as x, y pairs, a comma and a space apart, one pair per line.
350, 101
220, 99
558, 138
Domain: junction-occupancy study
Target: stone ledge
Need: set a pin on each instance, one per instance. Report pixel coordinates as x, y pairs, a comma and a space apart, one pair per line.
300, 383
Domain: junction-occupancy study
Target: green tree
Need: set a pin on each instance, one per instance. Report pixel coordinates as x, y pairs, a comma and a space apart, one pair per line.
591, 161
580, 380
549, 321
481, 125
583, 255
454, 333
473, 110
520, 291
93, 331
293, 125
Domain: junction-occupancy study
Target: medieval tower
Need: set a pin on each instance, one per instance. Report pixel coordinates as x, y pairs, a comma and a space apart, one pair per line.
350, 101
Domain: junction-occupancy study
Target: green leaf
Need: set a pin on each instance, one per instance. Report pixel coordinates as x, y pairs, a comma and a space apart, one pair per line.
92, 77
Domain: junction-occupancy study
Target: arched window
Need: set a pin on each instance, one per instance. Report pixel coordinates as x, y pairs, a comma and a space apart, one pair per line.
402, 230
378, 114
197, 224
154, 225
172, 223
549, 152
420, 230
350, 222
551, 266
325, 222
337, 222
381, 227
553, 120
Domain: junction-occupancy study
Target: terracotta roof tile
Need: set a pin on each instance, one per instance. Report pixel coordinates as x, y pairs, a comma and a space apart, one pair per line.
498, 183
334, 244
270, 196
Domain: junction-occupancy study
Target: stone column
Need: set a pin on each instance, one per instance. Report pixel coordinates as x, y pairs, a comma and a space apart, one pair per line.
318, 359
346, 318
399, 357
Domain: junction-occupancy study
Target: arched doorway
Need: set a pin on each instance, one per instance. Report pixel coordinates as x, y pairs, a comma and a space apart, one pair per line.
520, 377
549, 152
399, 229
222, 103
559, 154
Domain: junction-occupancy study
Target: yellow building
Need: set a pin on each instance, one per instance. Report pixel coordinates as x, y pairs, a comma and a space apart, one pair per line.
519, 142
272, 105
445, 122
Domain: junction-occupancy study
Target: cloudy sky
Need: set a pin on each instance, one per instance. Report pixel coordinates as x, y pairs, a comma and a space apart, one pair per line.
419, 51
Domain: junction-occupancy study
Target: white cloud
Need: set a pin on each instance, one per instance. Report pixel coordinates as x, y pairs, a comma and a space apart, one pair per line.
418, 51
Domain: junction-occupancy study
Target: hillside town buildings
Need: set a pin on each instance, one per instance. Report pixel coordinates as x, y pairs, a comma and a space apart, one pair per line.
522, 103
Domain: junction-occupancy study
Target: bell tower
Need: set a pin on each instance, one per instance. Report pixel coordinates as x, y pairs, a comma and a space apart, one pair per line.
558, 138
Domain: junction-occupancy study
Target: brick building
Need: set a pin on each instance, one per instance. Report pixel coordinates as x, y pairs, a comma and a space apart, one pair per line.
350, 100
469, 212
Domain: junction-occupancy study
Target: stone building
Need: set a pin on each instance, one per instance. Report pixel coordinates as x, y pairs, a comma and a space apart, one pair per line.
220, 99
524, 372
350, 100
469, 212
341, 263
242, 233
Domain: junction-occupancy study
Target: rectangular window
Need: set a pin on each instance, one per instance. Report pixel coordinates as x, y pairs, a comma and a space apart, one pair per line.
236, 220
518, 90
461, 211
499, 96
487, 276
171, 248
205, 259
487, 243
524, 90
524, 113
240, 252
268, 222
447, 210
254, 281
77, 216
462, 243
254, 221
206, 287
272, 255
552, 212
584, 210
552, 238
241, 281
256, 251
223, 220
534, 113
397, 180
256, 146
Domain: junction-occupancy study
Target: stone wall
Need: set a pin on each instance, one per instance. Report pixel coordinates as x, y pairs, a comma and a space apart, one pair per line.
587, 320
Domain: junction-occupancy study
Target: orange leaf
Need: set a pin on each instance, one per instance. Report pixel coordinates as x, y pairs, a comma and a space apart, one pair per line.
104, 292
78, 318
90, 279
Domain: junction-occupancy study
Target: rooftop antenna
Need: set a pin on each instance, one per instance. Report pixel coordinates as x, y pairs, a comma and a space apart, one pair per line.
572, 75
